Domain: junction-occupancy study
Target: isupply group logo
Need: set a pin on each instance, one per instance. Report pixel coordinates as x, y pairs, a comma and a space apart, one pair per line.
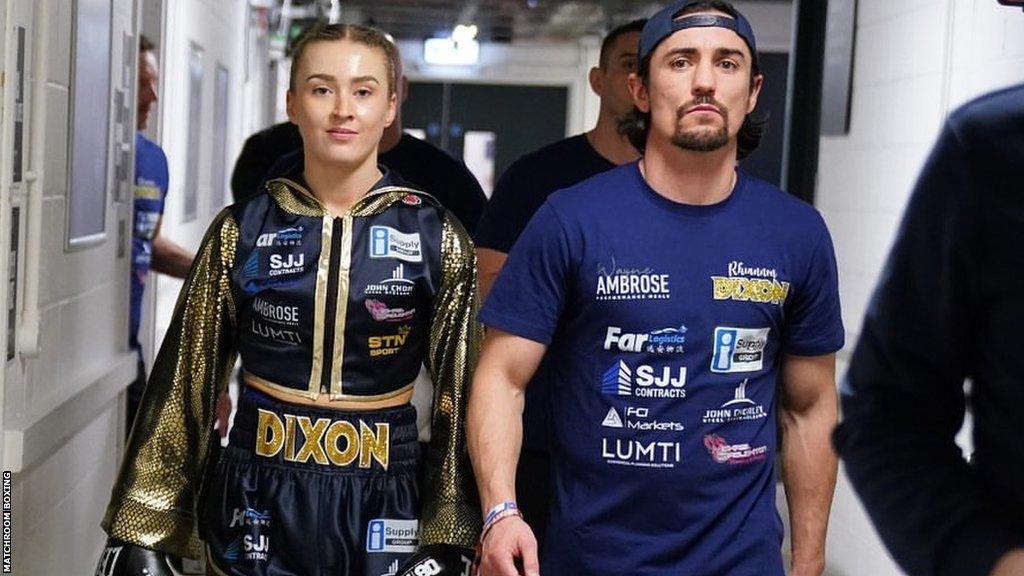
724, 453
381, 313
392, 536
396, 285
644, 381
738, 409
386, 242
616, 282
663, 341
738, 349
638, 418
285, 237
750, 284
282, 272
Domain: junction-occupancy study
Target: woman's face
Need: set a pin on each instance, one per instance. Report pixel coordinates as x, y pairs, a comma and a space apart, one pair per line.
340, 101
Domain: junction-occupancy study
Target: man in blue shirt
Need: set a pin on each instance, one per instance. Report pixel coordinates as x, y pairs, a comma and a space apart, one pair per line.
674, 297
150, 250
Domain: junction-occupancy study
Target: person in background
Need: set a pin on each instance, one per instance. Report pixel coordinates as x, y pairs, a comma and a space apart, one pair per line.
520, 191
150, 249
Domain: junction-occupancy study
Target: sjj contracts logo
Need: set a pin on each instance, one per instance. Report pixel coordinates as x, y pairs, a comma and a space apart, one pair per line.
644, 381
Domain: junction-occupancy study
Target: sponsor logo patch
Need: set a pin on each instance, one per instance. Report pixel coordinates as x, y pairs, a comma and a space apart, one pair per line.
645, 381
412, 200
393, 536
616, 282
288, 315
664, 341
382, 313
386, 242
738, 349
738, 409
638, 418
286, 237
724, 453
396, 285
388, 344
631, 452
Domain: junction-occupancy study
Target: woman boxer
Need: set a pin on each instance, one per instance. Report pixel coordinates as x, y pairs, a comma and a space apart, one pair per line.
334, 287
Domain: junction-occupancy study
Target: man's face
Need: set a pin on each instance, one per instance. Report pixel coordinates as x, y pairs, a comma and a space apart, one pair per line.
610, 82
341, 102
699, 90
149, 73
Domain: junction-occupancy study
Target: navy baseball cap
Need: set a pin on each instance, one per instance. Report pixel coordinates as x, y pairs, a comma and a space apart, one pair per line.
667, 21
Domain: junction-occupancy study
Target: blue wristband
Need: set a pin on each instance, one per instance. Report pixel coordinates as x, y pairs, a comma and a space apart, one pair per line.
506, 505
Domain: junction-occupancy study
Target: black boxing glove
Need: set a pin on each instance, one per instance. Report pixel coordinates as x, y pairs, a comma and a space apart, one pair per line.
439, 560
123, 559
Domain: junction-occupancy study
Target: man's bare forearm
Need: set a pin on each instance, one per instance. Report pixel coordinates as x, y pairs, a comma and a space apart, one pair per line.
170, 258
809, 469
495, 434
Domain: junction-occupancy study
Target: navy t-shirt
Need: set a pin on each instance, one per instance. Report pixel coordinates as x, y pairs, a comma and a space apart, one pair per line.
666, 324
151, 179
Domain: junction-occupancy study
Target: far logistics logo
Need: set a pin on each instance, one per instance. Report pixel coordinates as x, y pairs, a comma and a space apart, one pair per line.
664, 341
286, 237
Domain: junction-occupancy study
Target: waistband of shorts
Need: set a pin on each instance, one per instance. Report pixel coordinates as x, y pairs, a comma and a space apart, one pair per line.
332, 441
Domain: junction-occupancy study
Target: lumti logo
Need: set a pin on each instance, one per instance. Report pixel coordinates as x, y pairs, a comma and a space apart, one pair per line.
738, 349
392, 536
386, 242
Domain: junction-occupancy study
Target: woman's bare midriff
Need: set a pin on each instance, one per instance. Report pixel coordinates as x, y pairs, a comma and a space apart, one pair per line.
325, 401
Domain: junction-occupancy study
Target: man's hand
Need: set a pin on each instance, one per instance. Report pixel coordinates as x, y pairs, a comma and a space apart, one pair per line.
1011, 564
509, 544
223, 413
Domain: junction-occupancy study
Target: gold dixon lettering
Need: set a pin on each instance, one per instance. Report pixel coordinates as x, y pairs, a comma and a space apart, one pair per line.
321, 439
750, 290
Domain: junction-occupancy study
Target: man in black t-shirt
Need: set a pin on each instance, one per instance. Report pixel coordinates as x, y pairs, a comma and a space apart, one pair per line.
519, 193
274, 151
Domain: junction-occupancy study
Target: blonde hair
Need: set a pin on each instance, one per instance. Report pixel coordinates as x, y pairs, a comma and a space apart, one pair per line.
365, 35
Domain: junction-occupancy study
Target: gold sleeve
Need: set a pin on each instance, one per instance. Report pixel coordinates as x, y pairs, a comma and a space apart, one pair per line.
154, 499
450, 510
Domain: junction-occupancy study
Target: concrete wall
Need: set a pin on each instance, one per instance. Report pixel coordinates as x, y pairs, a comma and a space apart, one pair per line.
61, 412
915, 61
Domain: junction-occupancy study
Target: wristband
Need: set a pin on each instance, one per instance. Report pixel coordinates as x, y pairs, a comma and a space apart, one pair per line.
498, 518
502, 507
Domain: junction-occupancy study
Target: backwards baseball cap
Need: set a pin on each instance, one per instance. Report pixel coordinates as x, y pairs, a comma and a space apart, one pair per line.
667, 21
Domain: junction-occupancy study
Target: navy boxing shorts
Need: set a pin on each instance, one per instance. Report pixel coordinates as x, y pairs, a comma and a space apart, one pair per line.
303, 491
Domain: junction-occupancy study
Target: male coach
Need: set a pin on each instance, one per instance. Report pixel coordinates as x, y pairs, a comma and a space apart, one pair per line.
674, 297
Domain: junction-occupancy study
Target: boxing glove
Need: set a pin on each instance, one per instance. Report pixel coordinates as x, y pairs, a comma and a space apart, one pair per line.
124, 559
439, 560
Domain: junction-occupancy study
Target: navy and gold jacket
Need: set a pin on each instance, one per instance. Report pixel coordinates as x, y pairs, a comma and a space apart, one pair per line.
348, 307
